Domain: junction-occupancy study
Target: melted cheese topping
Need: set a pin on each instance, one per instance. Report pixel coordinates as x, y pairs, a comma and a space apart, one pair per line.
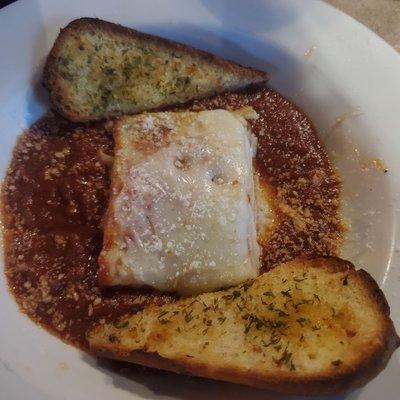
181, 216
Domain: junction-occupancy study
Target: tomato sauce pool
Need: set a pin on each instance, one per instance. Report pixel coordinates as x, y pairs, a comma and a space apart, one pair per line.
56, 190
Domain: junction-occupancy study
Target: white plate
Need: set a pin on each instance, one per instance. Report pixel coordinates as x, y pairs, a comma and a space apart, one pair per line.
322, 59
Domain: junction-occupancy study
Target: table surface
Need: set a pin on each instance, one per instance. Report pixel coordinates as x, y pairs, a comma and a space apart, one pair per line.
382, 16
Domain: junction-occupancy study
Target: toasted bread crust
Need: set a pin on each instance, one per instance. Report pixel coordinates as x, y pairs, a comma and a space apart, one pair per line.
369, 362
315, 386
58, 91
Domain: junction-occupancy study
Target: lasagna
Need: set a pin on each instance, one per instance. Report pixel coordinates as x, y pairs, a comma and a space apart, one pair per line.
181, 214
